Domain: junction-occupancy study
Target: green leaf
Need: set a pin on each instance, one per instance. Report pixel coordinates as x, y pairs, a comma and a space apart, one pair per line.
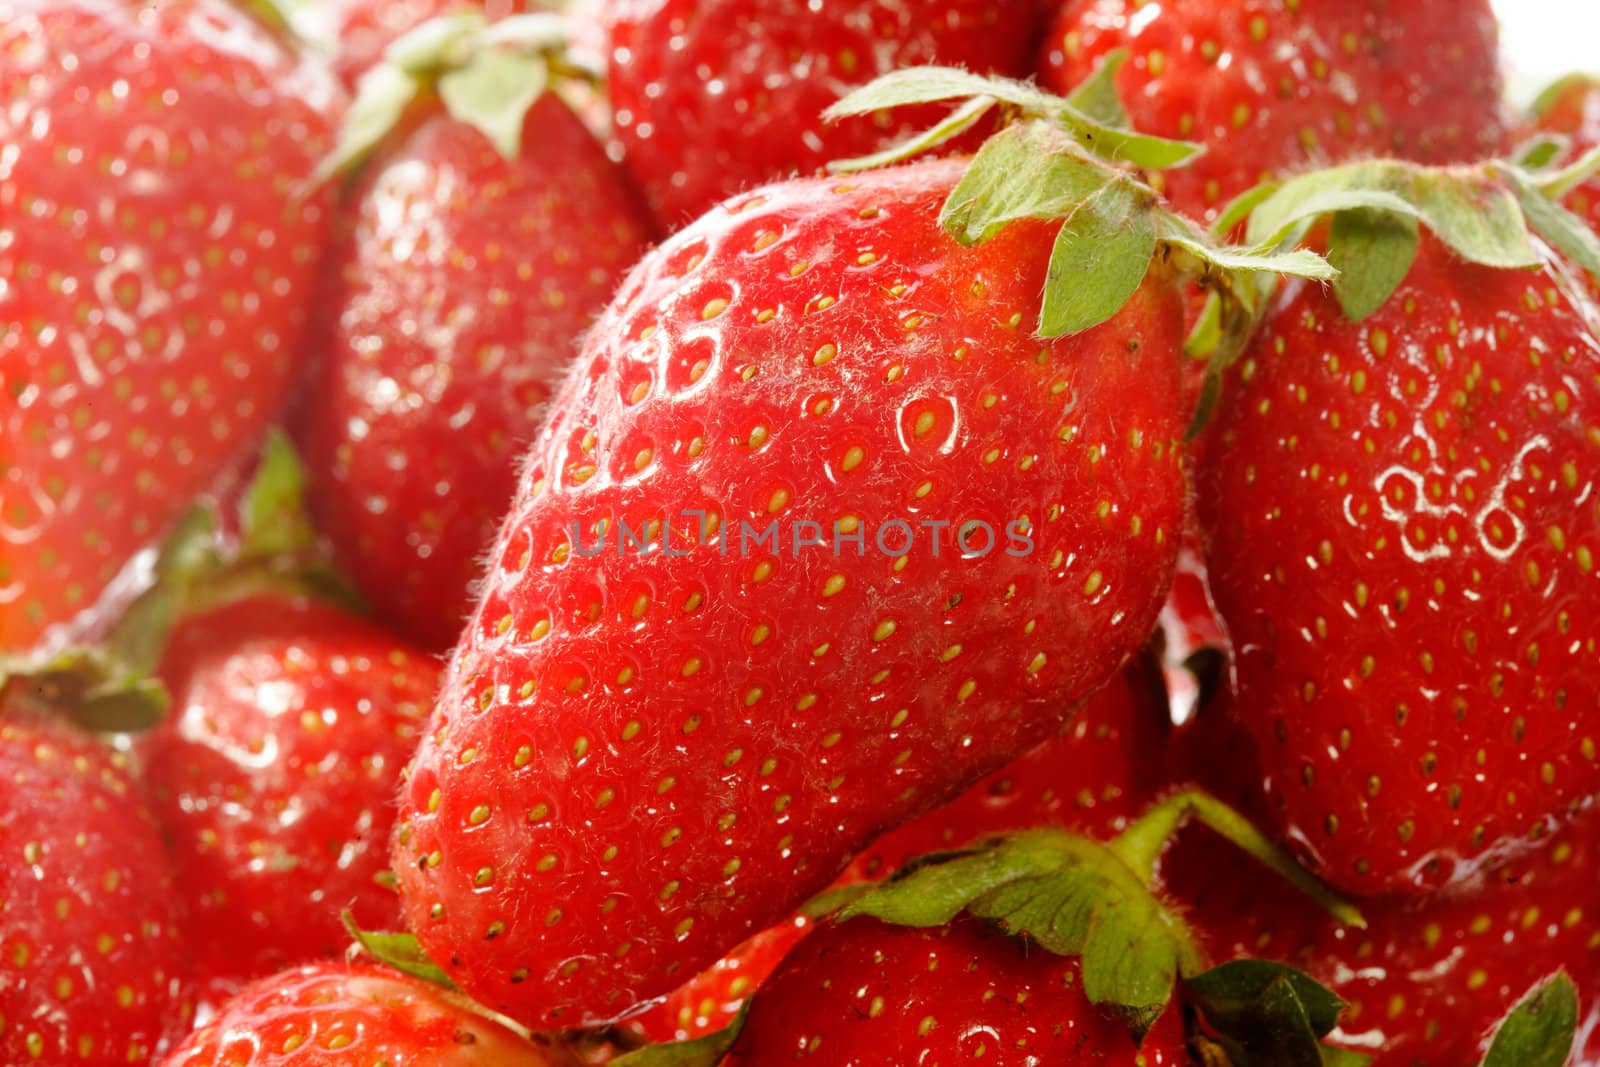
1206, 333
1101, 256
1071, 895
831, 900
929, 85
1539, 151
1478, 218
1343, 1057
273, 517
530, 32
1373, 252
493, 92
436, 44
1235, 987
1029, 171
702, 1052
88, 686
1096, 98
1270, 1015
1235, 259
400, 951
381, 100
1470, 211
1240, 207
1126, 146
272, 14
1540, 1031
1556, 224
1558, 184
954, 125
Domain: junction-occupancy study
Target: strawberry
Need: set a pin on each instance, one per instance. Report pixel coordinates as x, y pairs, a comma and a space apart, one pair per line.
1086, 978
642, 755
465, 273
1571, 109
95, 968
1274, 85
1100, 772
701, 738
158, 252
1428, 979
340, 1015
1398, 495
273, 778
864, 992
712, 98
367, 27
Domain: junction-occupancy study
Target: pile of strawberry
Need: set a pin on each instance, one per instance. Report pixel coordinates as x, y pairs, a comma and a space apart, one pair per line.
723, 533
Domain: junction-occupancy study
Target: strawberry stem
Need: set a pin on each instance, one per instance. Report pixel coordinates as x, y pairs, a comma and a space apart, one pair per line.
1141, 846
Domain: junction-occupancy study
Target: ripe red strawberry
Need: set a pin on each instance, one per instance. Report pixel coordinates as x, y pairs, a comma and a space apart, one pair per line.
1571, 108
640, 758
339, 1015
1428, 979
273, 778
1272, 86
864, 993
367, 27
95, 967
158, 250
712, 97
1403, 531
1103, 769
463, 281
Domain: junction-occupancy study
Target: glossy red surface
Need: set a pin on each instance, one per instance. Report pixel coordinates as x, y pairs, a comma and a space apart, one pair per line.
864, 994
1275, 86
461, 286
648, 756
335, 1015
1104, 768
1403, 524
96, 967
273, 779
713, 97
1428, 980
158, 248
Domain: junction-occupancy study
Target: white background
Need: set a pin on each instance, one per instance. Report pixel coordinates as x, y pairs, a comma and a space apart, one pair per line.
1544, 39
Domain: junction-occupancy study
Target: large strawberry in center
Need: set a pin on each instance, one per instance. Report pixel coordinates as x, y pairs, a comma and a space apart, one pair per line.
893, 538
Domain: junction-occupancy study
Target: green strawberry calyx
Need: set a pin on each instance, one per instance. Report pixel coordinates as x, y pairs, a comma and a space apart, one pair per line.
106, 684
1541, 1030
1374, 212
1075, 896
1259, 1013
399, 951
485, 74
1072, 159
